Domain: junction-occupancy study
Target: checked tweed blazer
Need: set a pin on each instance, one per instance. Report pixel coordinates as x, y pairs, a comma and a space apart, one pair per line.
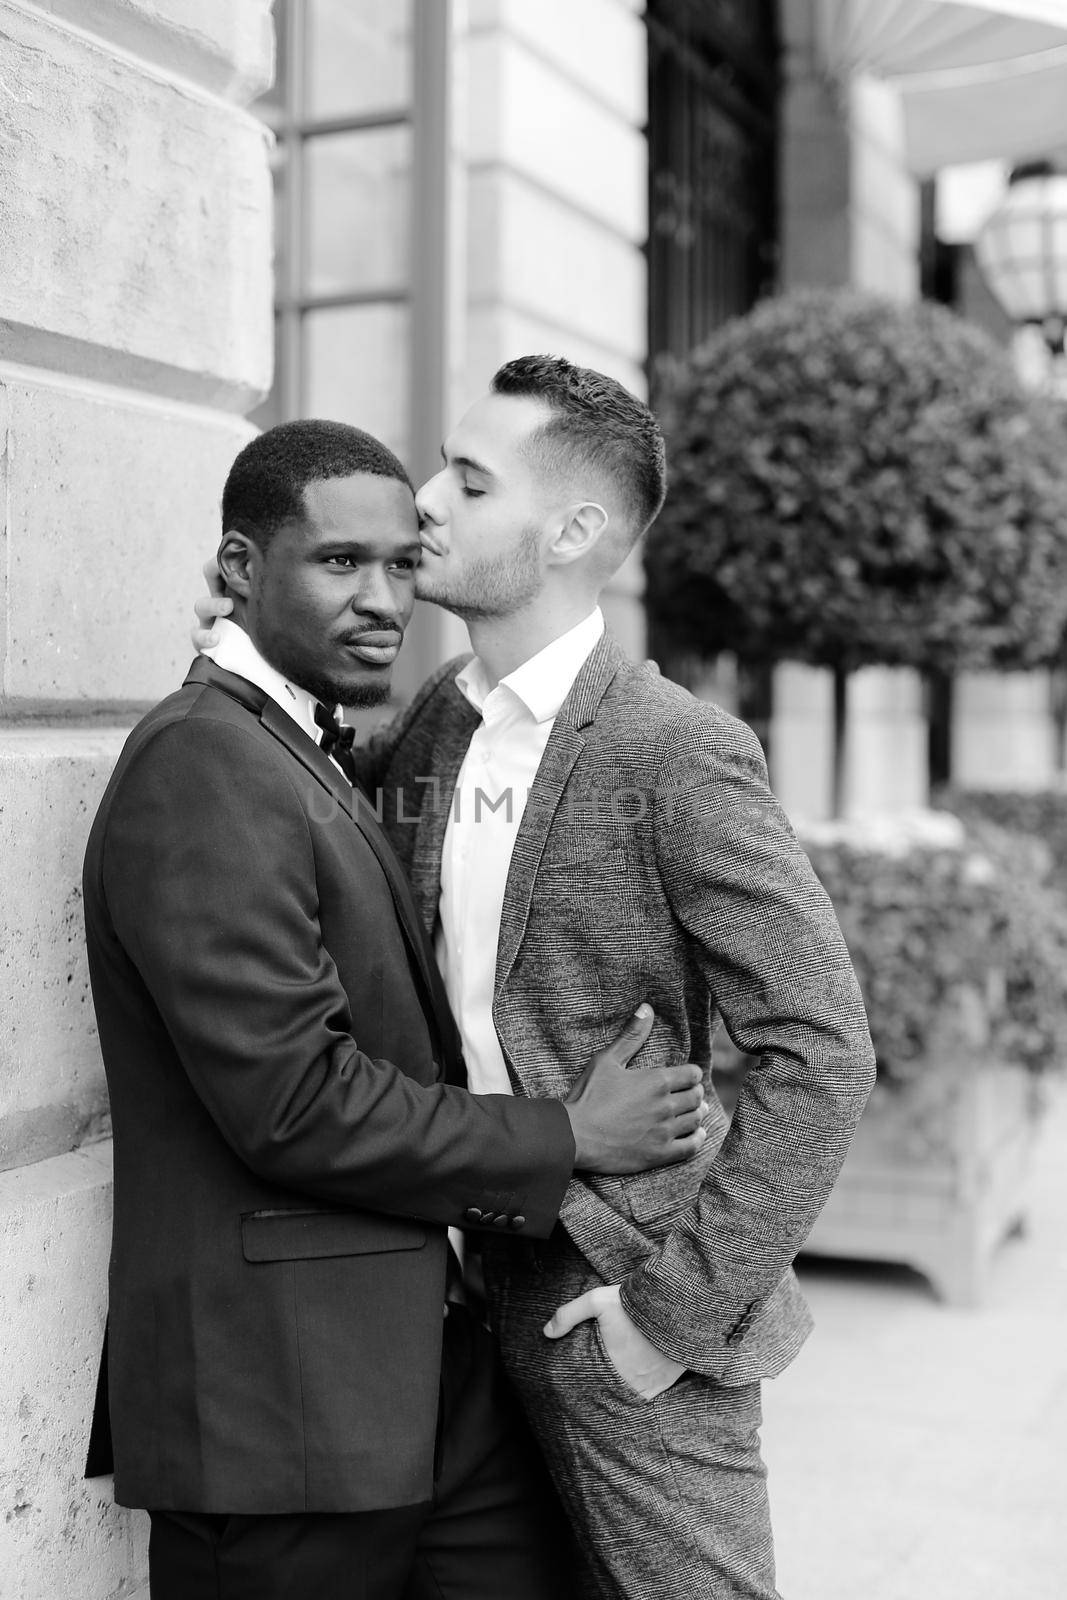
654, 863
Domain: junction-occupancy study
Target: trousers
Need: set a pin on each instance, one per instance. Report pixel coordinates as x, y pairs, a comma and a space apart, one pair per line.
493, 1528
667, 1497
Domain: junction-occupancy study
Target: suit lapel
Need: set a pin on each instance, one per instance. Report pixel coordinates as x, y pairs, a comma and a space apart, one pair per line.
565, 744
455, 730
354, 804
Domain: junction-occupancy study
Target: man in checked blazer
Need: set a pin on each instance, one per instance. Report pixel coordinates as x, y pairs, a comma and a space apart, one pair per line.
579, 834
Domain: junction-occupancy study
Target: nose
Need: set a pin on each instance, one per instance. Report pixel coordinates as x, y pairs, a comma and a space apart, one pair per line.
377, 597
428, 500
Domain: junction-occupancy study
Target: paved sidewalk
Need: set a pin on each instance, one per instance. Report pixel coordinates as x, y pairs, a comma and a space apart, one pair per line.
919, 1452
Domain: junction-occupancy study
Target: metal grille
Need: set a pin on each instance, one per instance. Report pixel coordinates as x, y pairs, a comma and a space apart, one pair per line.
713, 131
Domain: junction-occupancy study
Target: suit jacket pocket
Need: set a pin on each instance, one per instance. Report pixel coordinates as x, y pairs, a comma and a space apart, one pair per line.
303, 1235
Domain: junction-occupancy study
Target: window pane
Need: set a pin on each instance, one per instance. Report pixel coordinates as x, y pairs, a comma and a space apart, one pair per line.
357, 210
357, 369
358, 56
280, 165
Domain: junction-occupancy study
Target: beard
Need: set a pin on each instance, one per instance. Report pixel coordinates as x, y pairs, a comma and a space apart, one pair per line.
331, 691
488, 587
340, 692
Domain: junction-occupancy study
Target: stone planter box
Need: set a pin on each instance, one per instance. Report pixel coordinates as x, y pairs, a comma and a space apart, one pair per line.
937, 1175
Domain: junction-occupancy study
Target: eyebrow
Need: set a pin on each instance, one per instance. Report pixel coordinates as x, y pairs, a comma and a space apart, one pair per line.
355, 547
468, 462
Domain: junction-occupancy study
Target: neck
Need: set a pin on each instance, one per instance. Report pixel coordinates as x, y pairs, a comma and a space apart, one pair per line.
504, 643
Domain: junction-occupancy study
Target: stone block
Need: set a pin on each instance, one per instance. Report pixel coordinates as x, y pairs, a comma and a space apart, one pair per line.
136, 222
887, 766
600, 44
801, 741
62, 1535
1003, 735
880, 262
581, 274
522, 114
228, 49
112, 508
52, 1090
816, 160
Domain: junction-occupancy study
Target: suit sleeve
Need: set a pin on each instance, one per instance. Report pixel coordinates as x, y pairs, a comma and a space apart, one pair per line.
209, 878
777, 968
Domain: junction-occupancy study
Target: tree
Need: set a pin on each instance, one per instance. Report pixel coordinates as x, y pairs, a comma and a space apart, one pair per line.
856, 482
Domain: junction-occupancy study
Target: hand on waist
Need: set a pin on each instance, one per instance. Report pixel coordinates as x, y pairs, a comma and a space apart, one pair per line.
634, 1357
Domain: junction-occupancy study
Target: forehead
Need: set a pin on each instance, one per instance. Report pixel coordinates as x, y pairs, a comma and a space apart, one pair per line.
496, 427
359, 506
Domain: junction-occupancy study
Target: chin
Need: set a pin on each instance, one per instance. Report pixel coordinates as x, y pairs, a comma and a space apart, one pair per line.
368, 692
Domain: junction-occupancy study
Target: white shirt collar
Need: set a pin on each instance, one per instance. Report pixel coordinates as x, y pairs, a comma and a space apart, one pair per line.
236, 653
544, 681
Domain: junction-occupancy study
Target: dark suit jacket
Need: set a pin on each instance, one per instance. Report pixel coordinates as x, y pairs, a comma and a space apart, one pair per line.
290, 1137
654, 863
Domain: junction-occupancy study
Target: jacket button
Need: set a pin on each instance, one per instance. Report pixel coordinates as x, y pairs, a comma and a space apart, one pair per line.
501, 1221
518, 1222
472, 1214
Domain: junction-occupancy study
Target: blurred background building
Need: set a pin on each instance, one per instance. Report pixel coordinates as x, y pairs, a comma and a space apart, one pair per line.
454, 182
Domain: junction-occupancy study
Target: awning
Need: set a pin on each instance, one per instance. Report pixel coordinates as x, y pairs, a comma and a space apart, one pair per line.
976, 81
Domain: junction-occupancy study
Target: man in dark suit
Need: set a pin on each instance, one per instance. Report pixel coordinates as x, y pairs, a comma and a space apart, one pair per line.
292, 1139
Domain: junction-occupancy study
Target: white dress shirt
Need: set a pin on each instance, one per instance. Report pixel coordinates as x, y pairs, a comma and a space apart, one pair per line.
236, 653
491, 794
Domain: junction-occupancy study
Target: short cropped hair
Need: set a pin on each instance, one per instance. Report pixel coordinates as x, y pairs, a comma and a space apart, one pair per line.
597, 423
265, 486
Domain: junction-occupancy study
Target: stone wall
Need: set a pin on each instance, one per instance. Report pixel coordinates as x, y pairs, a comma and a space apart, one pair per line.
135, 318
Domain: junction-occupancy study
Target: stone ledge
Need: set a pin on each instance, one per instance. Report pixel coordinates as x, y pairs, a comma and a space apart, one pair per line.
227, 48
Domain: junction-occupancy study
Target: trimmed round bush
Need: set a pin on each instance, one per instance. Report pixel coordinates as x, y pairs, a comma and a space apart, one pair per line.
857, 482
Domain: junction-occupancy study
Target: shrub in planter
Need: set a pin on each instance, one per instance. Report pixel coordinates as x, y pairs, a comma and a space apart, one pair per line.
1040, 814
932, 911
856, 482
959, 937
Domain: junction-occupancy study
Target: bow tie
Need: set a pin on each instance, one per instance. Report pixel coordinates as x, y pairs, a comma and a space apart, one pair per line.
337, 739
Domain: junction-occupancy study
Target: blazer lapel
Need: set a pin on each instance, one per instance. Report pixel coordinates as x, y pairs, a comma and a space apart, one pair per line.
455, 731
355, 805
565, 744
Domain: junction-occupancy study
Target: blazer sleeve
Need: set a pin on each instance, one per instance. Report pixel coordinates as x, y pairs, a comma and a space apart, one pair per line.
778, 971
209, 879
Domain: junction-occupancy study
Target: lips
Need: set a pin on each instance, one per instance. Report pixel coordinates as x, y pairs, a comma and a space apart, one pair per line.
378, 649
430, 548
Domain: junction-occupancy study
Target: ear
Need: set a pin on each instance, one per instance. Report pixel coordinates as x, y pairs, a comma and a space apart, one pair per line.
238, 558
577, 533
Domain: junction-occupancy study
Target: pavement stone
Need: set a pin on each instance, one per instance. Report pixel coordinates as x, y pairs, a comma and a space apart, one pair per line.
918, 1451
